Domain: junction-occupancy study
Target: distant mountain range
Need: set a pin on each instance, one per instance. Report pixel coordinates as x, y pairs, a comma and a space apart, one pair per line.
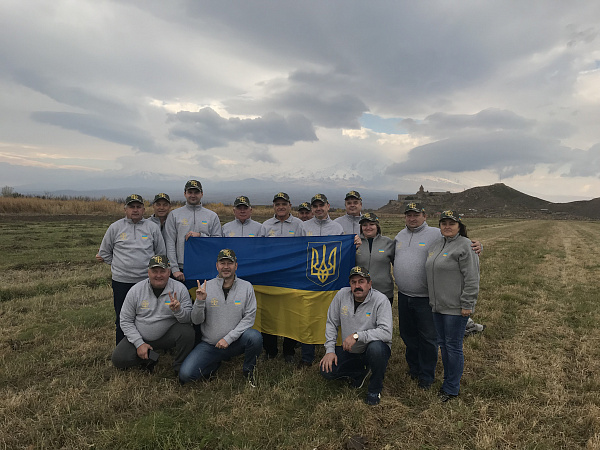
496, 200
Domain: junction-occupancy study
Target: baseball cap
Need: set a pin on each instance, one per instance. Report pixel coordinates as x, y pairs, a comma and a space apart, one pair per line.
304, 205
161, 196
134, 198
450, 214
241, 200
193, 184
319, 198
281, 195
353, 194
358, 270
227, 254
413, 206
369, 217
159, 261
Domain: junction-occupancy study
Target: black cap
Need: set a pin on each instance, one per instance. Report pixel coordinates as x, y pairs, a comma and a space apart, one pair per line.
319, 198
281, 195
369, 217
450, 214
159, 261
357, 270
193, 184
241, 200
227, 254
353, 194
304, 205
413, 206
161, 196
134, 198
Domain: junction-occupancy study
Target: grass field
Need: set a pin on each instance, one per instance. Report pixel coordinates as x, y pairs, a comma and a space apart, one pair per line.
531, 378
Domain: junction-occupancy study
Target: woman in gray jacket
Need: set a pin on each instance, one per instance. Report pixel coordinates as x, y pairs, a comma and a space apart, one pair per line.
376, 254
453, 283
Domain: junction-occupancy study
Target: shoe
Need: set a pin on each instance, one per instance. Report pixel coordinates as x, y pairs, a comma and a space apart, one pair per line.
289, 359
270, 356
357, 383
424, 385
372, 399
412, 375
249, 376
304, 364
444, 396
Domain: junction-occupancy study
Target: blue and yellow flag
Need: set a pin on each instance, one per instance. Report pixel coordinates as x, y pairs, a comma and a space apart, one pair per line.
294, 279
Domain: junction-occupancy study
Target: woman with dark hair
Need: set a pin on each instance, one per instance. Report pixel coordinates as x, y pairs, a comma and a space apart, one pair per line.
453, 282
376, 254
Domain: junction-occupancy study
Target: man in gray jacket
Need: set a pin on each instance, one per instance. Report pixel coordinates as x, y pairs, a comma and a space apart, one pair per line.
243, 225
191, 220
365, 318
350, 220
161, 206
126, 246
226, 322
155, 315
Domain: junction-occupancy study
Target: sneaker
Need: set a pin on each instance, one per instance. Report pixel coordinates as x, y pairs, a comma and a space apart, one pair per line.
424, 385
357, 383
372, 399
289, 359
304, 364
444, 396
249, 376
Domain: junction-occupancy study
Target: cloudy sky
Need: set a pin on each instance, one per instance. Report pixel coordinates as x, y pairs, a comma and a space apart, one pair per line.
382, 95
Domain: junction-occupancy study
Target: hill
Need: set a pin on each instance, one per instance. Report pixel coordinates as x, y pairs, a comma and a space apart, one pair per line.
496, 200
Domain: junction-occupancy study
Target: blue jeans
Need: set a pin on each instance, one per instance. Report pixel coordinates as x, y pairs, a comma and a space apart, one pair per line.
308, 352
355, 365
419, 334
205, 359
451, 331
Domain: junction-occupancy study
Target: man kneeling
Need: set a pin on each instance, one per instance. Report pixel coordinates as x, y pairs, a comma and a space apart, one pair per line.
365, 316
226, 322
155, 315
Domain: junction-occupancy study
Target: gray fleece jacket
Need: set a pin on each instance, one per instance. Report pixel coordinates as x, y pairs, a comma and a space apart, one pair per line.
378, 262
324, 227
372, 320
147, 318
128, 247
349, 223
182, 220
452, 275
235, 228
290, 227
412, 248
222, 318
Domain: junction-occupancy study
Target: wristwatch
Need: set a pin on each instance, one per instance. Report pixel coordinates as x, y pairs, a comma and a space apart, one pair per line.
355, 336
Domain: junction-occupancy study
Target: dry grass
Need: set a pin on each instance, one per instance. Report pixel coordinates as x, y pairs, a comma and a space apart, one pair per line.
530, 379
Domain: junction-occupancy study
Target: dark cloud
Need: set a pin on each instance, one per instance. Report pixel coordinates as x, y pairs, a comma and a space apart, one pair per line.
207, 129
100, 127
507, 153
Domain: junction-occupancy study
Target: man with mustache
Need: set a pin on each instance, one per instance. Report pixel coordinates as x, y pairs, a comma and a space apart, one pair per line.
365, 317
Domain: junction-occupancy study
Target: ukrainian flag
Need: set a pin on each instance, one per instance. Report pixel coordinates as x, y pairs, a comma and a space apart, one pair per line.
294, 279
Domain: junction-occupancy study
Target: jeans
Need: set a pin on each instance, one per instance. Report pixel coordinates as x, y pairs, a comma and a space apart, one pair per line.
355, 365
308, 352
179, 336
419, 334
120, 291
205, 359
451, 331
270, 345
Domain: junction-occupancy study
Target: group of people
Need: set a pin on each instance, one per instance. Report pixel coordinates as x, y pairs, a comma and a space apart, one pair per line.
436, 271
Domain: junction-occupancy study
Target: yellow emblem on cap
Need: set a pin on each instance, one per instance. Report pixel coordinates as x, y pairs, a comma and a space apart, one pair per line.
158, 259
412, 205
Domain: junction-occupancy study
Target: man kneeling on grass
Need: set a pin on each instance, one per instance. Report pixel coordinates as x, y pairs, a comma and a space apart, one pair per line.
155, 315
365, 316
226, 322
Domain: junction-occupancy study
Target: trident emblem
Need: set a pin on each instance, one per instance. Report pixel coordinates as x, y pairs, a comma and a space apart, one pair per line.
321, 269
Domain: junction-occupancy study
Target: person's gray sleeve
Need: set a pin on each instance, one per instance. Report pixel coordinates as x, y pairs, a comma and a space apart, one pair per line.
159, 242
332, 324
184, 315
199, 312
171, 242
247, 318
107, 245
215, 227
127, 321
383, 330
469, 267
263, 231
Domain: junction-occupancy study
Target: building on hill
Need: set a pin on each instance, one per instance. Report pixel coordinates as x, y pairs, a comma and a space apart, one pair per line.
421, 196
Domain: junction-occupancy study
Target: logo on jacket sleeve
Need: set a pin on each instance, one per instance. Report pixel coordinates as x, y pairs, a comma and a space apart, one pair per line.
323, 262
